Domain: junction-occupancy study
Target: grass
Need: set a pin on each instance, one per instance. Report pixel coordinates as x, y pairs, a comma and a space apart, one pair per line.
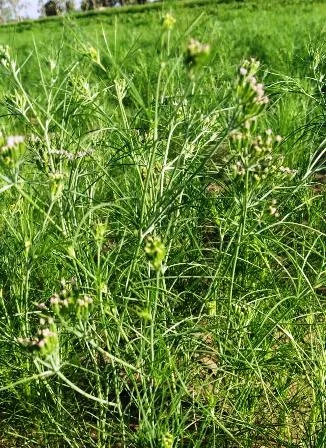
162, 249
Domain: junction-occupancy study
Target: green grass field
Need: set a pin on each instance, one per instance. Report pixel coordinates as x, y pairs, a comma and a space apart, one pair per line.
162, 218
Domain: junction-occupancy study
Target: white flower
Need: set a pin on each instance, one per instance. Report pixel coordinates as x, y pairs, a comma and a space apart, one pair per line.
14, 140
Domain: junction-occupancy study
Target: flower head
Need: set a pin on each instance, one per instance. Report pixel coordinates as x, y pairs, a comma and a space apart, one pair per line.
168, 21
155, 251
196, 53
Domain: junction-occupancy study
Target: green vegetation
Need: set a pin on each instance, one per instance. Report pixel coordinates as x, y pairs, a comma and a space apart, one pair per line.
162, 250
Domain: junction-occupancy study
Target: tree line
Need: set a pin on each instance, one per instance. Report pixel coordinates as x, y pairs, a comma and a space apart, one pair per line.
12, 9
56, 7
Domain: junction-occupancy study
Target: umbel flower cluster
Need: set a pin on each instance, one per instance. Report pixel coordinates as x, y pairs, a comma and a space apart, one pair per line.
196, 54
155, 252
10, 150
70, 156
68, 305
4, 56
69, 301
167, 440
11, 155
253, 156
168, 21
93, 54
81, 87
46, 341
250, 93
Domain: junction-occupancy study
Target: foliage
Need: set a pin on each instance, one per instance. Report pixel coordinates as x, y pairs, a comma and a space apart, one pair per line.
162, 250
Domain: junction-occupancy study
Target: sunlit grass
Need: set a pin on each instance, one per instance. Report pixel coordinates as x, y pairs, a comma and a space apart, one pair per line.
162, 224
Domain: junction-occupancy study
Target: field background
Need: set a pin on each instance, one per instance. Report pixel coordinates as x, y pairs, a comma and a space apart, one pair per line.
162, 250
